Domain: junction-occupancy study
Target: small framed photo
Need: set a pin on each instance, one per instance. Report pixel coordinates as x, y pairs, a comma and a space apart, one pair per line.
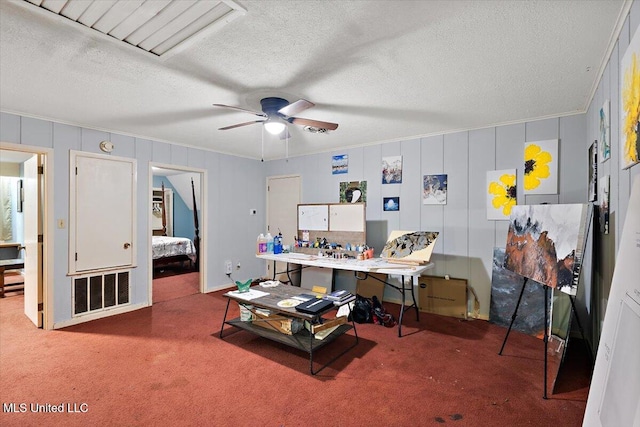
390, 204
434, 189
340, 164
392, 170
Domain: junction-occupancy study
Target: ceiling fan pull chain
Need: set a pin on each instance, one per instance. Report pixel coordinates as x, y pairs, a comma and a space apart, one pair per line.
262, 133
287, 148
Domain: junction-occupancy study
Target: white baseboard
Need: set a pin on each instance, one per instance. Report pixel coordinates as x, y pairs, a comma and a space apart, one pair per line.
220, 288
98, 315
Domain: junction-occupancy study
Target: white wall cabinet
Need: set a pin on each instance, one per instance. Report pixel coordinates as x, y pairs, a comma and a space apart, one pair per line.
102, 211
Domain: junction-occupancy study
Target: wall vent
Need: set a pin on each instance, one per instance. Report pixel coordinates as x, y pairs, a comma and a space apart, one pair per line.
99, 292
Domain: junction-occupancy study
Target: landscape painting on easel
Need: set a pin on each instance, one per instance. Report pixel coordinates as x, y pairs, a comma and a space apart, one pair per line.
505, 286
546, 243
409, 247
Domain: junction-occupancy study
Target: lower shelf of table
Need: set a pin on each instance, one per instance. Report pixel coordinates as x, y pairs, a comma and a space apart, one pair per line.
302, 340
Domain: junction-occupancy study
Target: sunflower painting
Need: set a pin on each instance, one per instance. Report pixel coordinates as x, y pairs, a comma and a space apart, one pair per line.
541, 167
630, 104
501, 193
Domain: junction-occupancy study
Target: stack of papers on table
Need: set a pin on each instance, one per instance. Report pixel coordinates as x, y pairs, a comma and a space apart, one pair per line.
340, 297
248, 295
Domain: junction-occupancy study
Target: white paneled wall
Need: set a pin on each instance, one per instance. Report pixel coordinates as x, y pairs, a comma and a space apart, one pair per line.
620, 180
465, 246
234, 185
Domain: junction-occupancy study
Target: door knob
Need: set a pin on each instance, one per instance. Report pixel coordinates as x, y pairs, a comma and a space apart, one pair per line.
127, 245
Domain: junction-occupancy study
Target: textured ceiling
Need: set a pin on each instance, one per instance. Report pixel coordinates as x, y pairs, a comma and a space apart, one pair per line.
382, 70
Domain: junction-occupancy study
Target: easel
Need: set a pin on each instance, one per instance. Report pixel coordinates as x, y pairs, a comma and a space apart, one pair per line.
546, 327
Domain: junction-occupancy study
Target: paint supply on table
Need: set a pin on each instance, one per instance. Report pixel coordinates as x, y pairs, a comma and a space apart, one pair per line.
277, 244
262, 244
269, 243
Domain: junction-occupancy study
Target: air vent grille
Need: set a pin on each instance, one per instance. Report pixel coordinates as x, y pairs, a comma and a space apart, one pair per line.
160, 27
98, 292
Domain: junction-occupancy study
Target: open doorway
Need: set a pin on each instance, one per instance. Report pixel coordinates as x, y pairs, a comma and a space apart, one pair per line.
175, 229
23, 239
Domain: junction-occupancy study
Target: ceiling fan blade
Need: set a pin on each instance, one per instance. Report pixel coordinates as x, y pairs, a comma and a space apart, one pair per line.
296, 107
240, 109
241, 124
314, 123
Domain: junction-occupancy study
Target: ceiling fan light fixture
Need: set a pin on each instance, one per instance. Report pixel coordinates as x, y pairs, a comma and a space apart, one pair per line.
313, 129
274, 127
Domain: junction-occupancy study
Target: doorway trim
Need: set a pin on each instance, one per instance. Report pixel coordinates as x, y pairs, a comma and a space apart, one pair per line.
202, 221
48, 227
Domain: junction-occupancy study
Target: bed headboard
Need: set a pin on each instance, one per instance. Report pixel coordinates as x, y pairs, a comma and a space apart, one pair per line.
196, 238
163, 205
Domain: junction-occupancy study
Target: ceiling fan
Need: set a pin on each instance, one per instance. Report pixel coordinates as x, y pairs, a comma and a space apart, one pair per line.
277, 112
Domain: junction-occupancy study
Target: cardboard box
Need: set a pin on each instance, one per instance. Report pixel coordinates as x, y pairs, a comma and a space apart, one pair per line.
439, 295
370, 286
277, 322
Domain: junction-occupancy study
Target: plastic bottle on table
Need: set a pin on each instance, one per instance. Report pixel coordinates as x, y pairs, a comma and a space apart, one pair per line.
277, 244
269, 243
262, 244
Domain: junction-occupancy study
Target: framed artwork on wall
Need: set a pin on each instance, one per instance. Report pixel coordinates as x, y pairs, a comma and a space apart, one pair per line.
392, 170
541, 167
391, 204
501, 193
353, 192
434, 189
340, 164
605, 141
629, 104
593, 171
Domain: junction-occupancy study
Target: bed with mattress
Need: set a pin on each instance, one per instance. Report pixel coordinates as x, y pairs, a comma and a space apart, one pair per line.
168, 249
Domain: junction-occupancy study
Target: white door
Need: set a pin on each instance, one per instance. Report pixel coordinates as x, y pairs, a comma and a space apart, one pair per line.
104, 226
32, 209
283, 197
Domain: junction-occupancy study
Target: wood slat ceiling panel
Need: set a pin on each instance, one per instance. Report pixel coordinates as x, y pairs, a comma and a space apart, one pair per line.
54, 6
95, 12
141, 16
199, 24
154, 26
116, 15
74, 9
